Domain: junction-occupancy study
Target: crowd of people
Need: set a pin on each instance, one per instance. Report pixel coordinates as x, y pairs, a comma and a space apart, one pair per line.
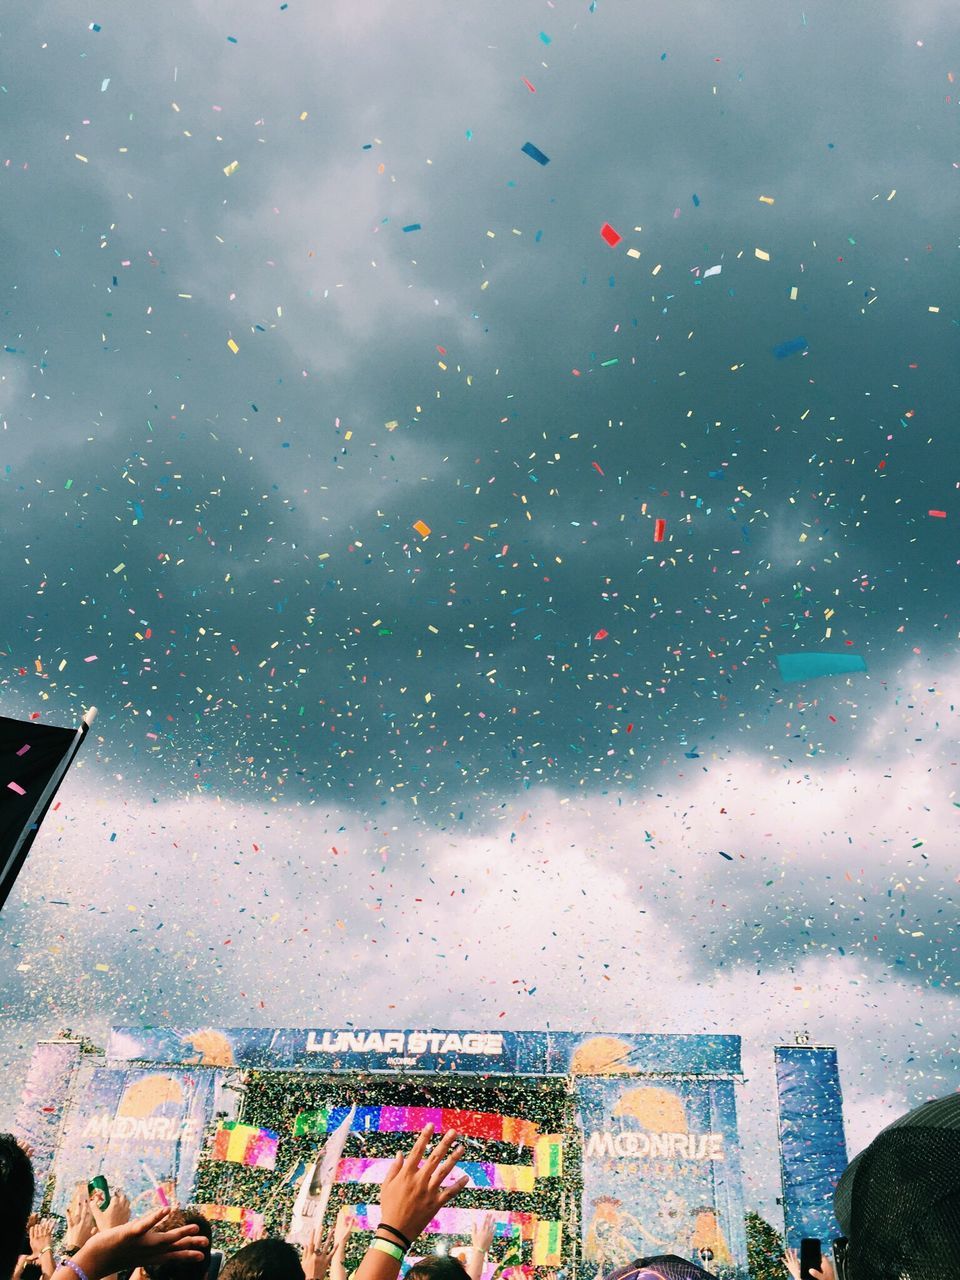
898, 1206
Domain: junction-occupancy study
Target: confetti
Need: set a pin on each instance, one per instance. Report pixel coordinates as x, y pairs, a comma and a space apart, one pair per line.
534, 153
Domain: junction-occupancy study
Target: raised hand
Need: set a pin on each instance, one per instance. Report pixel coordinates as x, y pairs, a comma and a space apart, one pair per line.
343, 1230
80, 1223
40, 1231
136, 1244
791, 1260
413, 1191
317, 1254
115, 1214
481, 1233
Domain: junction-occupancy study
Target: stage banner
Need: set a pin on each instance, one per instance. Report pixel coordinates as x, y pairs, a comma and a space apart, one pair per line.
142, 1129
661, 1172
42, 1103
486, 1052
813, 1149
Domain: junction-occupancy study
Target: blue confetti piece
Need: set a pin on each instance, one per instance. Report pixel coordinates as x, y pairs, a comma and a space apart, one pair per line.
790, 348
534, 153
813, 666
728, 856
545, 38
414, 226
696, 202
94, 26
367, 146
663, 57
231, 39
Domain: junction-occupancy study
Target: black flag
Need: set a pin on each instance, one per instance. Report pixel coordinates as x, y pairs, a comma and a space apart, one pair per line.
33, 760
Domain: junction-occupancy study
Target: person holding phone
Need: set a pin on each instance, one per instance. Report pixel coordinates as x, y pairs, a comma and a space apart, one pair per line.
799, 1264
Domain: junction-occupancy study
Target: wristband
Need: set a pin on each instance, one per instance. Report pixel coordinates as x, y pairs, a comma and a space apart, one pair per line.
46, 1249
383, 1246
407, 1244
78, 1271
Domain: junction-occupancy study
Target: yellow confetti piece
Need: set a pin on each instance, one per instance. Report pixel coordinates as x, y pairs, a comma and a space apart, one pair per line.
102, 968
232, 167
762, 255
120, 567
657, 269
232, 345
392, 424
765, 199
794, 291
633, 253
934, 310
892, 194
422, 528
303, 115
80, 157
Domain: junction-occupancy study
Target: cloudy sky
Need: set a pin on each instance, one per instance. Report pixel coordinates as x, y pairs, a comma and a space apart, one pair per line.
335, 438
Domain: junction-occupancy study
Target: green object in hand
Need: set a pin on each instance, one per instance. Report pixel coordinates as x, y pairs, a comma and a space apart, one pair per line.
98, 1186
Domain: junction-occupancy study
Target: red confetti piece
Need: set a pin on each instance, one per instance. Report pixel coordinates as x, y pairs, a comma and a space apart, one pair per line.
609, 234
659, 529
597, 467
528, 84
601, 634
940, 515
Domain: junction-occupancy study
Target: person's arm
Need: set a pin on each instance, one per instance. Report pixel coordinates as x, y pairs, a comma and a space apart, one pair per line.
481, 1240
342, 1232
412, 1194
41, 1245
134, 1244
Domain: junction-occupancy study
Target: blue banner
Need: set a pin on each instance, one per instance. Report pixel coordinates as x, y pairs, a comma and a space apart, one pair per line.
813, 1149
661, 1172
142, 1129
429, 1050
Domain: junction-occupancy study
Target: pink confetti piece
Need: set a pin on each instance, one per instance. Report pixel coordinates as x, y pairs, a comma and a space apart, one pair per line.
92, 658
24, 749
15, 786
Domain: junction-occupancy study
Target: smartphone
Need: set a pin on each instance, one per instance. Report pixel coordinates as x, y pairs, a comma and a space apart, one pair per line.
99, 1191
810, 1257
216, 1264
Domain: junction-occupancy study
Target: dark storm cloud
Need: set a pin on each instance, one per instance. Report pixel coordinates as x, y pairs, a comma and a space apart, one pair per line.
270, 630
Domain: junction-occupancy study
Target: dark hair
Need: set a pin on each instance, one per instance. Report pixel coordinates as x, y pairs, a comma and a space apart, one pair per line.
438, 1267
16, 1196
31, 1271
264, 1260
185, 1270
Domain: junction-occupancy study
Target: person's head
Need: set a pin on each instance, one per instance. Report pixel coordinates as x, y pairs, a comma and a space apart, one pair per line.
439, 1266
16, 1197
899, 1200
184, 1270
264, 1260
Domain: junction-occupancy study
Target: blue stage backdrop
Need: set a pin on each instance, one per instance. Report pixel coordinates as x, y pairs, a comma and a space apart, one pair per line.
657, 1118
813, 1150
